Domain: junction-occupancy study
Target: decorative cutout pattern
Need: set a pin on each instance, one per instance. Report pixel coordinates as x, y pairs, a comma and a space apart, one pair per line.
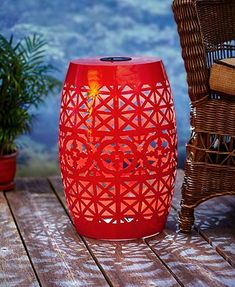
118, 157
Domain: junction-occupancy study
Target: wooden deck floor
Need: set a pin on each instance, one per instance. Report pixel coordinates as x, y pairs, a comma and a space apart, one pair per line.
40, 247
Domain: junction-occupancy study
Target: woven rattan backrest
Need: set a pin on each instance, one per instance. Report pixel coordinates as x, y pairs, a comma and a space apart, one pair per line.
217, 21
207, 32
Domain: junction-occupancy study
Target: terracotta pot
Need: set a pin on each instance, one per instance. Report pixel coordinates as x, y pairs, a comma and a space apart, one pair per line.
7, 171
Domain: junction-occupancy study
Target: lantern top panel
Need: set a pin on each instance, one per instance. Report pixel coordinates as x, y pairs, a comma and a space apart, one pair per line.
115, 71
115, 60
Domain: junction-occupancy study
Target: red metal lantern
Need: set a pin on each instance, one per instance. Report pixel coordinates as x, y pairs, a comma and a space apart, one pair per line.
117, 146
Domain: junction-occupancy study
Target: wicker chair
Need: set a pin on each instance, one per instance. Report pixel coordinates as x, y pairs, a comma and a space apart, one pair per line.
207, 33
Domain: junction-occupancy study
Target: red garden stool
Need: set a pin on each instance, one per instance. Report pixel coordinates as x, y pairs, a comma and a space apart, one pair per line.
117, 146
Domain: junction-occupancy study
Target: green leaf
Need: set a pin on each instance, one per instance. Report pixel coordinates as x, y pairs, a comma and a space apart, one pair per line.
25, 81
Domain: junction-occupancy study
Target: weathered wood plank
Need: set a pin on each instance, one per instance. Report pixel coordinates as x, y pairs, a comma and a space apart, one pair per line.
57, 252
214, 220
131, 263
57, 186
191, 258
127, 263
15, 267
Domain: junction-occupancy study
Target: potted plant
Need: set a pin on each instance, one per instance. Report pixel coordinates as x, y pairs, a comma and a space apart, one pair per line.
25, 81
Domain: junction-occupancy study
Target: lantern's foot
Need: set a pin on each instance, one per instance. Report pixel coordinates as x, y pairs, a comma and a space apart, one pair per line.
186, 219
7, 186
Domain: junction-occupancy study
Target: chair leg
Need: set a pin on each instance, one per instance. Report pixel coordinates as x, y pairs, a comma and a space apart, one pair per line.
186, 219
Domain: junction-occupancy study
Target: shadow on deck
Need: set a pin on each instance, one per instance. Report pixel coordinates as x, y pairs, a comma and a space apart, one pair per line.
40, 247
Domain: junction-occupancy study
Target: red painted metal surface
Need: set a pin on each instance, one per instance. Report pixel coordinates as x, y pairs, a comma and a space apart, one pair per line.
117, 146
7, 171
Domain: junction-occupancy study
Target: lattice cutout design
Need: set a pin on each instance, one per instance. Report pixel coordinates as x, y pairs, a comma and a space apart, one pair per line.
212, 149
118, 157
